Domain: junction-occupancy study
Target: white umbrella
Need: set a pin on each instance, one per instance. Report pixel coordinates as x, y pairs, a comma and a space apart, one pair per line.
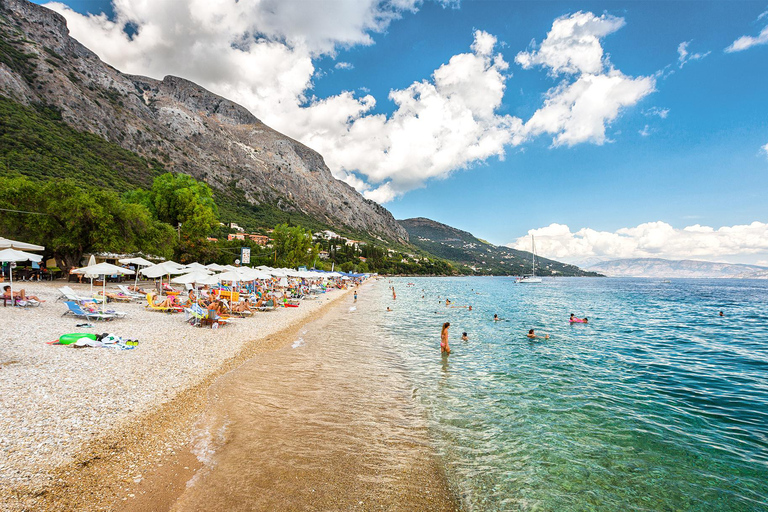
215, 267
13, 255
139, 262
136, 261
6, 243
103, 269
91, 263
193, 277
196, 266
162, 269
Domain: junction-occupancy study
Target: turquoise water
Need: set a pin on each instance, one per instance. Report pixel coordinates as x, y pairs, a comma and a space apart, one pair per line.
657, 404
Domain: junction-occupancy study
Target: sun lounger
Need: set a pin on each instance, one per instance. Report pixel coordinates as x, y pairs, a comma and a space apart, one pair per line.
77, 310
154, 307
70, 295
199, 317
18, 301
128, 293
241, 314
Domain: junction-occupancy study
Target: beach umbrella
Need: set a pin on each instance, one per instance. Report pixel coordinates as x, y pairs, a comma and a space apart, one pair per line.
103, 269
195, 276
215, 267
91, 263
14, 255
139, 262
196, 266
162, 269
6, 243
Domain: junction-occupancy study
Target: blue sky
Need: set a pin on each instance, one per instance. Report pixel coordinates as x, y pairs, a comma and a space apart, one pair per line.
701, 162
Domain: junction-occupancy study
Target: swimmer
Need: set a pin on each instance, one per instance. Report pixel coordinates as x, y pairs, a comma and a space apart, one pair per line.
464, 337
389, 309
470, 308
721, 314
444, 348
532, 335
496, 318
577, 320
447, 302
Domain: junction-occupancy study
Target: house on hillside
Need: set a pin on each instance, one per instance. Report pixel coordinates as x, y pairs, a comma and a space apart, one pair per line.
236, 236
234, 226
259, 239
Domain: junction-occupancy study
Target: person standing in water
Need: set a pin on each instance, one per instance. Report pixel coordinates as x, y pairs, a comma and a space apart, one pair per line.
394, 295
355, 295
444, 348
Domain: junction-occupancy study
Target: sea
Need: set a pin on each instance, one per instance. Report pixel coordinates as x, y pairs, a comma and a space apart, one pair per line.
657, 403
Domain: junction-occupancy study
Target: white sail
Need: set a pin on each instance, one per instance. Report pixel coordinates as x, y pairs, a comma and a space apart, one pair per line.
532, 277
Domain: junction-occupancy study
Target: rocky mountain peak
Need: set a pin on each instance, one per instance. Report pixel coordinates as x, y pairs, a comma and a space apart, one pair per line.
177, 122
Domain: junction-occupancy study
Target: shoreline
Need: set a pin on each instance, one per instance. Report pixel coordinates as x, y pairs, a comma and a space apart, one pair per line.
103, 468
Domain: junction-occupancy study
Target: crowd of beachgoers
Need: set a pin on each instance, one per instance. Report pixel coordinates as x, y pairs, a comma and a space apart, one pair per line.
57, 400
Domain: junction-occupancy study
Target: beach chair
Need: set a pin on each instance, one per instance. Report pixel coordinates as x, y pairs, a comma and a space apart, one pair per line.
128, 293
195, 315
241, 314
69, 294
154, 307
19, 302
267, 306
199, 317
77, 310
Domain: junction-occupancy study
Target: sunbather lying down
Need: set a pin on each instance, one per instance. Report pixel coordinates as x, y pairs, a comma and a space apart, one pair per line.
21, 294
170, 301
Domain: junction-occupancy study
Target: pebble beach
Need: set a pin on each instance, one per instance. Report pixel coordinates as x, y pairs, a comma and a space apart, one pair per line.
61, 408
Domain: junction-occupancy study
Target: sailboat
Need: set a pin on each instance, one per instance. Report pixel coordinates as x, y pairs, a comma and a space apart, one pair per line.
532, 277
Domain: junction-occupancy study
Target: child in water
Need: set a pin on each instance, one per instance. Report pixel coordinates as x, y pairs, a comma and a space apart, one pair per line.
532, 335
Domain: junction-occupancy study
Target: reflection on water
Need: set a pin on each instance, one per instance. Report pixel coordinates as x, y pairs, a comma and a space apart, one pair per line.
328, 423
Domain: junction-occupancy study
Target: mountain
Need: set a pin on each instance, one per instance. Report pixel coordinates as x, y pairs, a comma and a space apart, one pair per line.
176, 124
464, 248
657, 267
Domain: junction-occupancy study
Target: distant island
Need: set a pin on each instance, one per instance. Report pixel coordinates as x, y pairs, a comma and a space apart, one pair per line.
661, 268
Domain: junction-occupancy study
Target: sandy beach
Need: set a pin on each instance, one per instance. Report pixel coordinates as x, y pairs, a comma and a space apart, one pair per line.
69, 417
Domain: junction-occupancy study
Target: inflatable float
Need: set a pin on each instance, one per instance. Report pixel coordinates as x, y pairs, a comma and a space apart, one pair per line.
68, 339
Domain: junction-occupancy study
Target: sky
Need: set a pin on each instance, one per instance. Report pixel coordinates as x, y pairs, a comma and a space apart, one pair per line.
606, 129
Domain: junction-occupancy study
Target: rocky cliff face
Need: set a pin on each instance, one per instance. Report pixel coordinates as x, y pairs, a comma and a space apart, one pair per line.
177, 122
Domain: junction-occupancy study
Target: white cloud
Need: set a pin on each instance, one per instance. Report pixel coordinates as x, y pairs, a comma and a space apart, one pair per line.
593, 93
580, 111
261, 53
645, 131
573, 44
746, 42
344, 65
684, 56
765, 149
656, 111
648, 240
440, 125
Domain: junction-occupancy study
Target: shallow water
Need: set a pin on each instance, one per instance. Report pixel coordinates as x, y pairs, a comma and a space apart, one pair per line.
327, 423
656, 404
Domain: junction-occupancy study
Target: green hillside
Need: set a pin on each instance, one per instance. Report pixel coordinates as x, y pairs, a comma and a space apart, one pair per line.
35, 142
463, 248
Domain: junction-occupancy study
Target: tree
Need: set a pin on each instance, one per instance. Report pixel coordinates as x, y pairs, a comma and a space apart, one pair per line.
70, 220
293, 246
180, 200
